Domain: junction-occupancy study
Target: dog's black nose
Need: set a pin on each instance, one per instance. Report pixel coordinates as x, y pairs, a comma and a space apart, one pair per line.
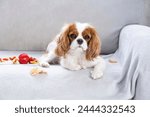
80, 41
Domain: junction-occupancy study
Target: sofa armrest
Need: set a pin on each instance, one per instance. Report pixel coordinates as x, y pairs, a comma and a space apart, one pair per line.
134, 39
134, 56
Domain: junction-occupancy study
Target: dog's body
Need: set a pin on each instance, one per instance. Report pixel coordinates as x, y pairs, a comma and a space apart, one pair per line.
76, 47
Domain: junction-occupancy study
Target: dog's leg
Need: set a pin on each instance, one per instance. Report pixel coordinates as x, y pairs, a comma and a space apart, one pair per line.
46, 58
98, 69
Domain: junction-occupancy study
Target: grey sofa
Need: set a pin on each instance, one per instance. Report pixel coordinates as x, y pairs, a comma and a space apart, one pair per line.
29, 25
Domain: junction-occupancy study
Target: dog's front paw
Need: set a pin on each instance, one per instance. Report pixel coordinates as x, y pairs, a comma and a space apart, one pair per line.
44, 64
96, 74
84, 67
75, 67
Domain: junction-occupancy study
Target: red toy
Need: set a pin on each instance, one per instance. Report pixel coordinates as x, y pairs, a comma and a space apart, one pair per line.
23, 58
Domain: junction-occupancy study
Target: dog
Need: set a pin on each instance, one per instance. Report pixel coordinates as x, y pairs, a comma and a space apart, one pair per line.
77, 46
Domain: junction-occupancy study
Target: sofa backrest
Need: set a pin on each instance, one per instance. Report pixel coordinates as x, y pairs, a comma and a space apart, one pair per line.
32, 24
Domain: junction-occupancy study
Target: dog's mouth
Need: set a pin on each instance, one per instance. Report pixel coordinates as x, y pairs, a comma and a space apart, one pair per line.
80, 47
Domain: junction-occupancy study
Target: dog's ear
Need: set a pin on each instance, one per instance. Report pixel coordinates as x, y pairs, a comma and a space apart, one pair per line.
63, 43
94, 45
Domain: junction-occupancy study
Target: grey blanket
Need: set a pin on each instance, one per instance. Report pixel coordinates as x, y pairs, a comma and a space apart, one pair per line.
133, 54
126, 79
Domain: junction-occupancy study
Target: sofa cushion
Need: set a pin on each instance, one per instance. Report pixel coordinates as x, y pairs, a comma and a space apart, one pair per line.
32, 24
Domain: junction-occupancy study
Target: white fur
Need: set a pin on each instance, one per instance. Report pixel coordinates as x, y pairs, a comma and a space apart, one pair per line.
75, 58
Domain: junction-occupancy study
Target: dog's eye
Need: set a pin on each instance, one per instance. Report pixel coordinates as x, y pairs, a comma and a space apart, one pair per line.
72, 36
86, 37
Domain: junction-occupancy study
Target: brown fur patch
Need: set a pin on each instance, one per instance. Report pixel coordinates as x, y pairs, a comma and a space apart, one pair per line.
94, 44
64, 40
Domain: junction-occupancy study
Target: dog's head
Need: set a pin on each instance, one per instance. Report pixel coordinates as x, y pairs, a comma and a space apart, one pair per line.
79, 35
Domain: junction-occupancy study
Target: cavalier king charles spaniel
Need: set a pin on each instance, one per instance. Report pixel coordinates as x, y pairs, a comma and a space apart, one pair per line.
76, 47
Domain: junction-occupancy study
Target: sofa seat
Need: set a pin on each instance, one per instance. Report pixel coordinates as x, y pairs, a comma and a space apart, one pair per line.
60, 83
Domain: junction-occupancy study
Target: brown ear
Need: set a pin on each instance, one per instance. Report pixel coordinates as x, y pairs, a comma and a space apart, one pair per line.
93, 46
63, 43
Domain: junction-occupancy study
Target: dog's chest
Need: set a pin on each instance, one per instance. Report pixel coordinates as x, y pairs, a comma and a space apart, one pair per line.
78, 57
81, 60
